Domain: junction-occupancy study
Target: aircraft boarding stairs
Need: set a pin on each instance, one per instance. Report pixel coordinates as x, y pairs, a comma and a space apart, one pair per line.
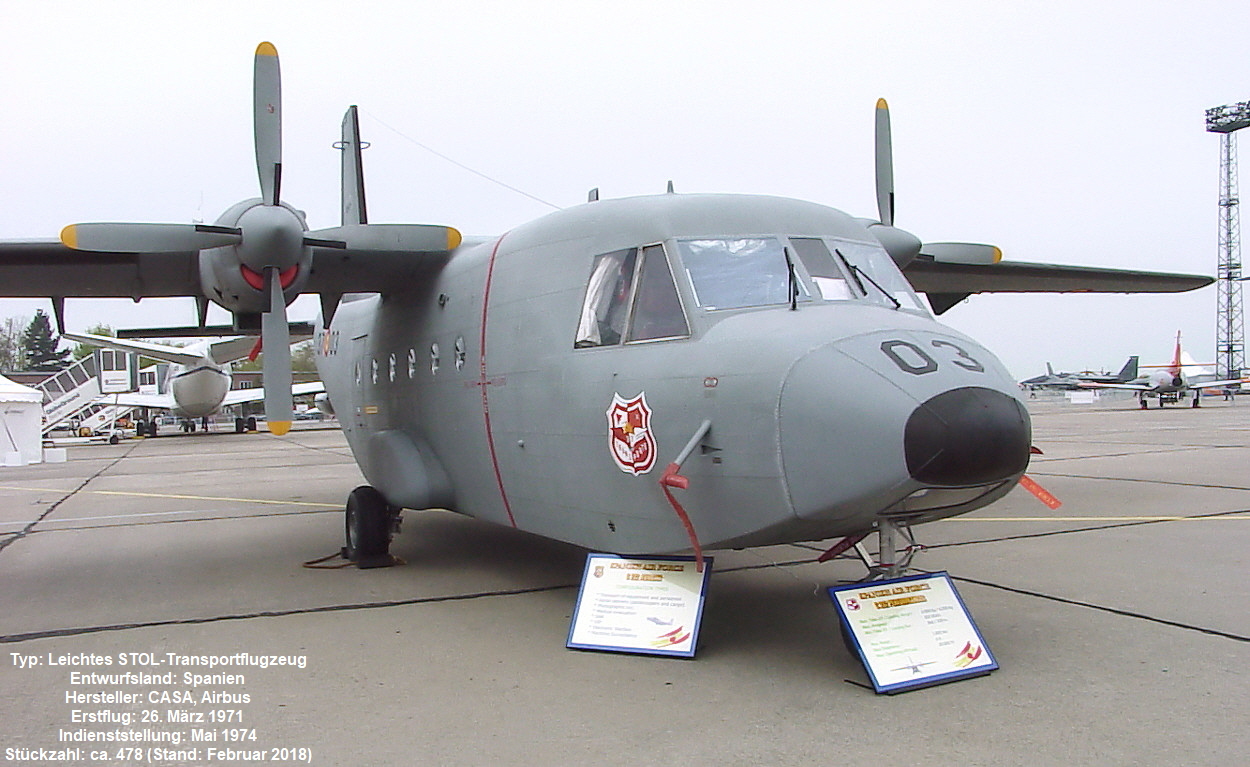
78, 392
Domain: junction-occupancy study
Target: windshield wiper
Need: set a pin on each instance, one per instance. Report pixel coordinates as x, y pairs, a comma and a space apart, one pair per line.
856, 273
792, 284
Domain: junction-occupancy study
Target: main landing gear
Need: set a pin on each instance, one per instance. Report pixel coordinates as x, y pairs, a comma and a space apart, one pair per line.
369, 524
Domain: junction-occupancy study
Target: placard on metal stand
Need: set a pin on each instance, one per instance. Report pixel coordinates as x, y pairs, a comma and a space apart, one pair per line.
911, 632
651, 605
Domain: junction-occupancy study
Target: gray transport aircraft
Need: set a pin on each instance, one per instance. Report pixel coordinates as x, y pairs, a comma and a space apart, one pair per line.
197, 383
658, 374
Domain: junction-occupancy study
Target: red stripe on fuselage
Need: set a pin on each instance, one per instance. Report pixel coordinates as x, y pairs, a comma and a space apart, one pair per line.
483, 383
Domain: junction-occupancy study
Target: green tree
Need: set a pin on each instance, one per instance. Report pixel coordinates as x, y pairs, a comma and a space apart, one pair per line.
40, 346
12, 354
82, 350
303, 359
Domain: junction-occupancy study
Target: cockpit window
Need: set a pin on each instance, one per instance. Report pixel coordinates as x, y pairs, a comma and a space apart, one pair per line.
620, 281
739, 272
657, 307
604, 309
822, 268
875, 271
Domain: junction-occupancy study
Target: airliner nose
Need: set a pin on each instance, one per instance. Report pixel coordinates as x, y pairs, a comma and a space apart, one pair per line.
967, 436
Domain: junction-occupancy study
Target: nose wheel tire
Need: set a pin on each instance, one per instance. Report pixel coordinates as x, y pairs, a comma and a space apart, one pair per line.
368, 524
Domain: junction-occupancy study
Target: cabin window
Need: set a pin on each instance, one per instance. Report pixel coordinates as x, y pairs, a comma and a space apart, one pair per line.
632, 299
412, 362
739, 272
822, 268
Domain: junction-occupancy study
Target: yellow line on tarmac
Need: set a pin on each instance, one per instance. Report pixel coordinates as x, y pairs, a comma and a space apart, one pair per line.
1100, 519
170, 495
208, 498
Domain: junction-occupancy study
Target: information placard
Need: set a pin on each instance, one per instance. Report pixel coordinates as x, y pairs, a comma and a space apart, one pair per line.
651, 606
912, 632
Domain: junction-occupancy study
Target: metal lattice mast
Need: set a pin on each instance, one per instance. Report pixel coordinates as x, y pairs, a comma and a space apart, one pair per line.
1229, 325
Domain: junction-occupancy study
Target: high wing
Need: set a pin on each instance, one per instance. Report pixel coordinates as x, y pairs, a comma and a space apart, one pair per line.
949, 283
48, 268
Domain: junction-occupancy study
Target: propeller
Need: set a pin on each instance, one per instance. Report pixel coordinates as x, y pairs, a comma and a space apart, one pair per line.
267, 121
903, 246
275, 336
256, 254
884, 152
276, 240
259, 253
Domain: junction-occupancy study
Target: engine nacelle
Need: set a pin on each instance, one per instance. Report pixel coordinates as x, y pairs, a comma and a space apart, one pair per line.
273, 236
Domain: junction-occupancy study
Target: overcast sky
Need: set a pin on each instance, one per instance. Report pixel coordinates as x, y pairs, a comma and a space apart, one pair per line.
1063, 132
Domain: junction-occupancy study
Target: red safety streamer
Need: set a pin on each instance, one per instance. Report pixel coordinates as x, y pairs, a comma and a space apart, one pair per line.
670, 478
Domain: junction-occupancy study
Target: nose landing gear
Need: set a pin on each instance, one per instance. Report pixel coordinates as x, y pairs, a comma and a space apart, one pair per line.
890, 562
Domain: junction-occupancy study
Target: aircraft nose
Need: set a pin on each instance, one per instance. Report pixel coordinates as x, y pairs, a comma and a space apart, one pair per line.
860, 430
967, 436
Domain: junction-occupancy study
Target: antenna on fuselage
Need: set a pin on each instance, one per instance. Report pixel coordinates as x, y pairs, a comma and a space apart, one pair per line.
593, 196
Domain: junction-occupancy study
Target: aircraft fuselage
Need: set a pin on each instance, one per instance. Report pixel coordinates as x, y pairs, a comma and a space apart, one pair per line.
501, 390
198, 390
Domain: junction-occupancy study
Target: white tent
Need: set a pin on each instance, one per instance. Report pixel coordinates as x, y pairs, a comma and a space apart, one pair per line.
21, 424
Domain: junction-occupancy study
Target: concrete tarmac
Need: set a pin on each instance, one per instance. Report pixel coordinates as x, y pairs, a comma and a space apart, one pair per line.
1120, 620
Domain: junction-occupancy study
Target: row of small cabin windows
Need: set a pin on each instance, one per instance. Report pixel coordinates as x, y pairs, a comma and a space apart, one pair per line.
393, 362
724, 274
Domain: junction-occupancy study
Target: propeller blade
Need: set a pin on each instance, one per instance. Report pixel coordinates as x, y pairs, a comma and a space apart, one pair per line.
884, 165
267, 121
961, 253
148, 238
276, 365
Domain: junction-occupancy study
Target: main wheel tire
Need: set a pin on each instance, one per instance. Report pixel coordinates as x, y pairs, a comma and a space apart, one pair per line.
367, 528
251, 423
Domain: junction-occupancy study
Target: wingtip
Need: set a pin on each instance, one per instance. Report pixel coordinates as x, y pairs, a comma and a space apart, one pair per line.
279, 428
266, 49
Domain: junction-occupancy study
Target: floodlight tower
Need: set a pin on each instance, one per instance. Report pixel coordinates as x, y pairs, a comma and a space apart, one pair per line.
1229, 328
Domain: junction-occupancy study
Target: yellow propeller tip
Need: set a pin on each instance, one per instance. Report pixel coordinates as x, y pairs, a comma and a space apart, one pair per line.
69, 236
266, 49
882, 105
278, 428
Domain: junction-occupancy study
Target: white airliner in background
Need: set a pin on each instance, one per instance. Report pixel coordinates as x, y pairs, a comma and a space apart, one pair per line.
197, 384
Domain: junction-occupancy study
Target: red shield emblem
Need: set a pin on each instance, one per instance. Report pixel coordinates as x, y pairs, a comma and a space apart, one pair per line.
629, 434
